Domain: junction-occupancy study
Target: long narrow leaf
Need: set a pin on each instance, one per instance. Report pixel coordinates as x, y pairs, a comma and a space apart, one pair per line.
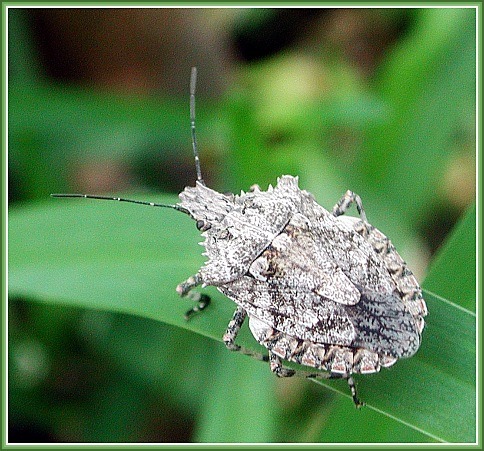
123, 258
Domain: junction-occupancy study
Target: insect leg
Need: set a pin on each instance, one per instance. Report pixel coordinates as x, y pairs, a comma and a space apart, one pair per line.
351, 384
282, 371
233, 330
184, 289
345, 203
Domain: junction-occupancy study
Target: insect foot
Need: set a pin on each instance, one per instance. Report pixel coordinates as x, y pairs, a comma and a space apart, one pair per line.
185, 288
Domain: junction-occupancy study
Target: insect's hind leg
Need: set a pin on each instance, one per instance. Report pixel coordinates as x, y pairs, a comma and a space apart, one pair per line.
185, 288
233, 330
282, 371
279, 370
354, 394
348, 199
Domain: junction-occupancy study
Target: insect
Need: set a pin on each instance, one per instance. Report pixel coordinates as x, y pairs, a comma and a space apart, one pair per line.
321, 289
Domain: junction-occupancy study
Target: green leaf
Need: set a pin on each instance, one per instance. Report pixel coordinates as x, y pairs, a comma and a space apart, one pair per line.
453, 271
428, 85
122, 258
243, 389
99, 255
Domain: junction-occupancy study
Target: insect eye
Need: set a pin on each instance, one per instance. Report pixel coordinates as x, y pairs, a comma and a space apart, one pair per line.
202, 225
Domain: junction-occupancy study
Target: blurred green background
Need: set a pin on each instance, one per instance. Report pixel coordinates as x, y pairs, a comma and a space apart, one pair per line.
380, 101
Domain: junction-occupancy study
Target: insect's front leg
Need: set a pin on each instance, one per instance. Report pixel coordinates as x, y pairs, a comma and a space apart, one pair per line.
348, 199
185, 288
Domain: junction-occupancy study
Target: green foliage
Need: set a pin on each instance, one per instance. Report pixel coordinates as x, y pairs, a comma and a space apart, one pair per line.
102, 256
453, 271
91, 284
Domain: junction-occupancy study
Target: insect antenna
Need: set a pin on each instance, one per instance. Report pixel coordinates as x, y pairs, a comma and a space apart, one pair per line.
193, 83
121, 199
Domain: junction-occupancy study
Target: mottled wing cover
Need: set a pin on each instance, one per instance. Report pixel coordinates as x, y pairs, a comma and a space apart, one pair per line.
316, 287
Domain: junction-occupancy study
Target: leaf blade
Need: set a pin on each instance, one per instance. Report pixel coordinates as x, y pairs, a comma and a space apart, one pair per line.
65, 253
454, 281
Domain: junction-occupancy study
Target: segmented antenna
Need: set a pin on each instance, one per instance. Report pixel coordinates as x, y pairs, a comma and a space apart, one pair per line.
193, 83
120, 199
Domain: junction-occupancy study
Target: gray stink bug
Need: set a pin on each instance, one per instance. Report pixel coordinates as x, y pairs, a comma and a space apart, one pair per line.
320, 289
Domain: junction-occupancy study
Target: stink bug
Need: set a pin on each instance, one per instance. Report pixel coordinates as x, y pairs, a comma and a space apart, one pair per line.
319, 288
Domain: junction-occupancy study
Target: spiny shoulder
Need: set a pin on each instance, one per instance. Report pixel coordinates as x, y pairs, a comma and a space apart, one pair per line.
284, 199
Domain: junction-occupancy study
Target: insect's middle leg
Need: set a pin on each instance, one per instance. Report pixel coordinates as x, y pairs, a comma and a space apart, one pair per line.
348, 199
233, 330
185, 288
282, 371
